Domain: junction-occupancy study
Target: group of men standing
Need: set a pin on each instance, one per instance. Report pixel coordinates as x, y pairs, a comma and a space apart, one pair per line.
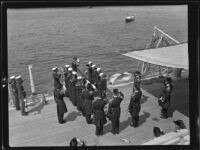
88, 94
19, 94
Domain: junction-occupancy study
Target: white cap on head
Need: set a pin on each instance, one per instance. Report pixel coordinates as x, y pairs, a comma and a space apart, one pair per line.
67, 66
12, 77
74, 72
93, 66
98, 69
69, 69
54, 68
89, 63
101, 74
18, 77
79, 77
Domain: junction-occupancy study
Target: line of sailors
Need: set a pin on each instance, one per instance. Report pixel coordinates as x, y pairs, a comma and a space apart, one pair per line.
19, 94
90, 100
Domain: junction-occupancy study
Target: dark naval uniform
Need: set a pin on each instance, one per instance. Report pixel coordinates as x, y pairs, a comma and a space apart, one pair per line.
95, 75
61, 107
114, 111
89, 73
89, 97
21, 96
104, 85
15, 94
69, 85
99, 118
79, 96
134, 107
164, 100
56, 78
73, 91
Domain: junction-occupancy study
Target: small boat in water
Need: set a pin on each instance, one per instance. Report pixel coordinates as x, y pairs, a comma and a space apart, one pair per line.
129, 19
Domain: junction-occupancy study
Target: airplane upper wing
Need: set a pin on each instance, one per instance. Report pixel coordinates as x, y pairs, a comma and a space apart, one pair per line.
175, 56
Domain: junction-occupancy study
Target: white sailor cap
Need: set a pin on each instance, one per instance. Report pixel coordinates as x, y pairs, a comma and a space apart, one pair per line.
67, 66
94, 87
93, 66
54, 68
89, 63
69, 69
74, 72
79, 77
98, 69
12, 77
18, 77
101, 74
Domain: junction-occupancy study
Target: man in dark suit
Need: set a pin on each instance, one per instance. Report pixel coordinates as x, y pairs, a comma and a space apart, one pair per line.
14, 92
65, 75
56, 77
73, 88
99, 117
89, 97
137, 78
79, 88
21, 95
114, 110
164, 100
89, 71
135, 106
61, 106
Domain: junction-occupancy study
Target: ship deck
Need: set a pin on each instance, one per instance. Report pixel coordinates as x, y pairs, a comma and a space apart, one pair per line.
41, 127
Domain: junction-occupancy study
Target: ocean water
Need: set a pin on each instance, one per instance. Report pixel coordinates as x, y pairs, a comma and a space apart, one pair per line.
52, 36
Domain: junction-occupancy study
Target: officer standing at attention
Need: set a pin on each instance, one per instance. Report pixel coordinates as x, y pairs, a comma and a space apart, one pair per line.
73, 88
79, 88
99, 117
137, 78
114, 110
56, 77
14, 92
75, 63
89, 71
61, 106
135, 106
69, 76
89, 97
164, 100
21, 95
66, 74
103, 83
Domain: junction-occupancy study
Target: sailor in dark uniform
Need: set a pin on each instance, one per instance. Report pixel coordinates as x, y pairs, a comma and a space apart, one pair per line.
61, 106
93, 73
164, 100
73, 88
103, 83
135, 106
14, 92
21, 94
79, 88
75, 63
56, 77
89, 71
69, 84
89, 97
114, 110
137, 78
65, 75
99, 117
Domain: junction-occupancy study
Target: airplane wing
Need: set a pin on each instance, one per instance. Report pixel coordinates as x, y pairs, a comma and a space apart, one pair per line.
175, 56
